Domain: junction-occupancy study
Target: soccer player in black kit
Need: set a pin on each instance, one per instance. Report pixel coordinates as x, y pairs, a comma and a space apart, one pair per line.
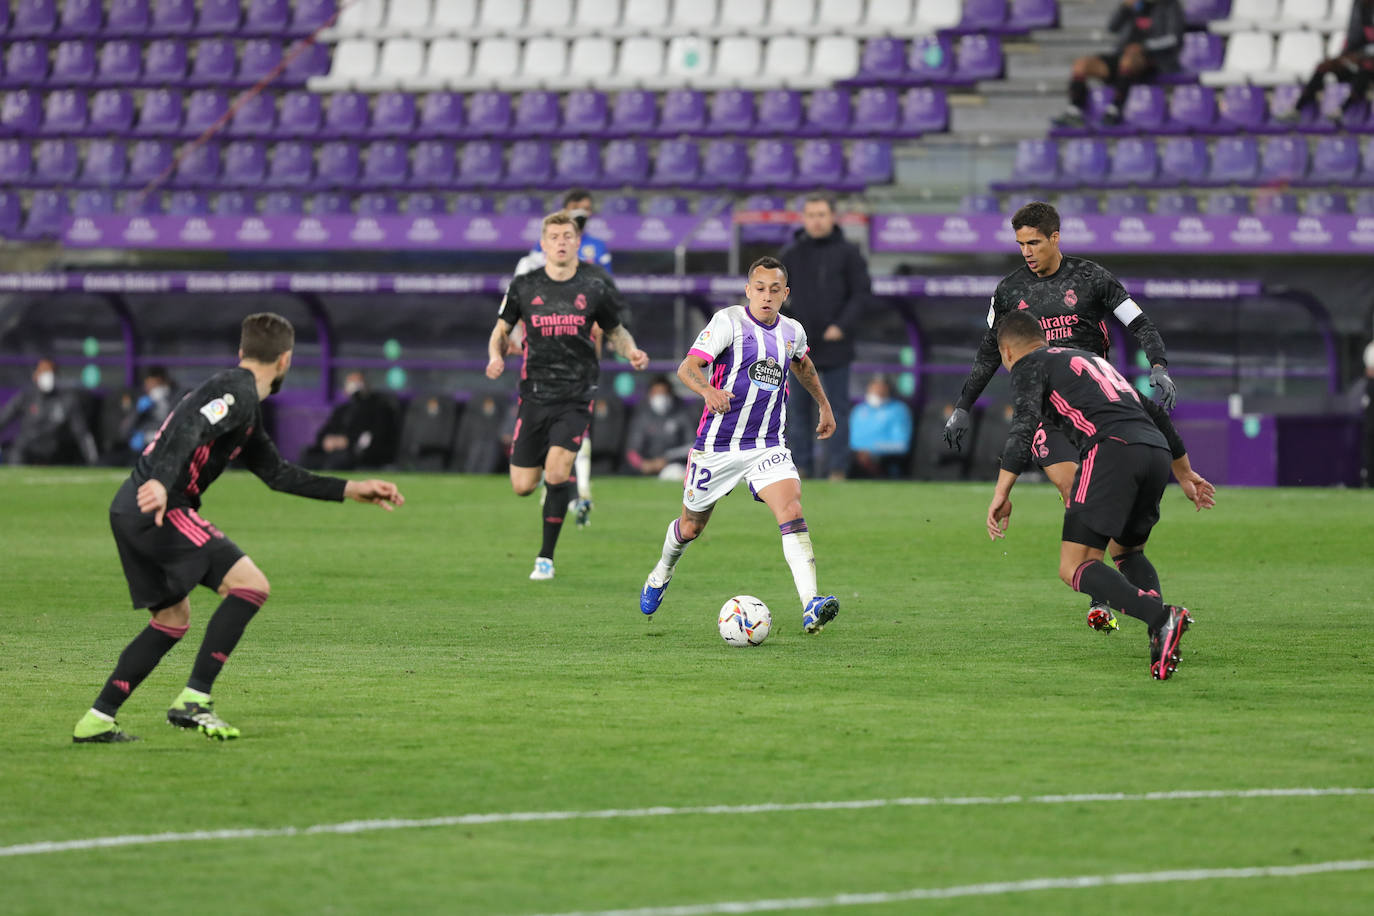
167, 549
1127, 447
558, 305
1072, 298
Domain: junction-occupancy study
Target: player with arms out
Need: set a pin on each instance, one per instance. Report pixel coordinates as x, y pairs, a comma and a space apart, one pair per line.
1072, 298
558, 306
1127, 447
167, 549
741, 436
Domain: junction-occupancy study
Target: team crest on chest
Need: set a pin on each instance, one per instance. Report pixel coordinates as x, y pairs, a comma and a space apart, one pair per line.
580, 302
1071, 298
766, 374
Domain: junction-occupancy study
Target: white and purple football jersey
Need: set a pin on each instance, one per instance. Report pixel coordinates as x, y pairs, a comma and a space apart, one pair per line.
750, 360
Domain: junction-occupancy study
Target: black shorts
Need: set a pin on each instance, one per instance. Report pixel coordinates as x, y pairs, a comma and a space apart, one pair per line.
540, 427
163, 565
1050, 446
1116, 494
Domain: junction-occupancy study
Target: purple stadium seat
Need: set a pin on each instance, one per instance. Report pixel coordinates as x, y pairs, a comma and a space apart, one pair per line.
766, 233
667, 205
1201, 12
148, 160
232, 203
473, 204
725, 163
732, 111
309, 15
1235, 160
393, 113
1027, 15
11, 212
121, 62
1269, 203
925, 110
984, 14
33, 17
66, 112
112, 111
821, 162
173, 17
780, 111
16, 161
585, 113
678, 163
634, 113
199, 167
1184, 160
387, 164
48, 214
1224, 203
339, 164
869, 162
74, 62
536, 115
26, 62
1335, 160
165, 60
627, 162
979, 57
420, 203
579, 163
302, 114
161, 112
1282, 102
292, 164
204, 109
876, 111
260, 57
346, 115
267, 17
1085, 162
1201, 51
245, 163
531, 164
1363, 204
773, 163
684, 112
1192, 108
489, 113
188, 203
980, 205
1145, 108
1333, 111
930, 59
22, 112
330, 203
1127, 205
1036, 165
1135, 161
139, 204
1326, 203
828, 112
1078, 204
1242, 108
303, 63
376, 204
218, 17
883, 60
81, 17
435, 163
1283, 159
523, 205
216, 60
1175, 203
255, 117
55, 162
441, 115
619, 205
282, 203
128, 18
481, 164
4, 17
105, 164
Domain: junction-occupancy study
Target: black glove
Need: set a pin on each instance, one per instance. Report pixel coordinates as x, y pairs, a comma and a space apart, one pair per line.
956, 427
1168, 392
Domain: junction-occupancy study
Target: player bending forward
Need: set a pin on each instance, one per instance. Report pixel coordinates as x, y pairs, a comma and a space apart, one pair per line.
167, 549
1125, 443
749, 348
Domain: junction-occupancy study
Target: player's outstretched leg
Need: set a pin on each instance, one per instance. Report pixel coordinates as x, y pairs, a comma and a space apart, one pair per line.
1097, 578
582, 469
1164, 654
136, 662
1100, 616
674, 543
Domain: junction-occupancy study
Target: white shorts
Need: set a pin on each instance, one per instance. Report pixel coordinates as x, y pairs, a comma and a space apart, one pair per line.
711, 475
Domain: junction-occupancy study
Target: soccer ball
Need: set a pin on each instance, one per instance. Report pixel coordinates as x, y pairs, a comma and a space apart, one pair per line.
745, 621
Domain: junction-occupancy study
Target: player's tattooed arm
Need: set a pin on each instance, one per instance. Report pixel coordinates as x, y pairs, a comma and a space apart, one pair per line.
692, 371
497, 345
806, 373
623, 342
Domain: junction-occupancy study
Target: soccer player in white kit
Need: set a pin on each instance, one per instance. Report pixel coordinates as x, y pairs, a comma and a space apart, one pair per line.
748, 349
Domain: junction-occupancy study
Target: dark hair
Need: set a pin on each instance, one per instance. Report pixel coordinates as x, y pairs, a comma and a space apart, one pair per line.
157, 372
266, 336
768, 263
1038, 215
820, 197
1019, 327
660, 380
575, 194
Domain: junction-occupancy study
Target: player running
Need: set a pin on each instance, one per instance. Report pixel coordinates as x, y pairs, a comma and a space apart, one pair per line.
749, 348
1125, 443
167, 549
558, 306
1072, 298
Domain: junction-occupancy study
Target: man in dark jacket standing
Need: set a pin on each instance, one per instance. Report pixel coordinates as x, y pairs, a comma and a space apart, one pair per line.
1149, 37
830, 288
52, 426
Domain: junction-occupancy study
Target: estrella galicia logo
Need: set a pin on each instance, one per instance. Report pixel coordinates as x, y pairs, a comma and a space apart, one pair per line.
766, 374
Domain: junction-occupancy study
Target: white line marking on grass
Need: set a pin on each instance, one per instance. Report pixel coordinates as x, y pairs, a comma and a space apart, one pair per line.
517, 817
1081, 882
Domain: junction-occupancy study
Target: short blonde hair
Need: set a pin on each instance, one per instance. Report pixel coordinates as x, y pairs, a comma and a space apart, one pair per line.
558, 218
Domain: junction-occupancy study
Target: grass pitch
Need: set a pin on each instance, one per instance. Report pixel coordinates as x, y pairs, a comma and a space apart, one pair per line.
406, 668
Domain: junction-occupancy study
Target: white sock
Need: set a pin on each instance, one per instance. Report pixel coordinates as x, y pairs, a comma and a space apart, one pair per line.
796, 549
582, 467
673, 546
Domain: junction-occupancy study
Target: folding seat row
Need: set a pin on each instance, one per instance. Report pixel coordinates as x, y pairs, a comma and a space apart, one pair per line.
145, 19
1284, 16
163, 62
1216, 203
1256, 57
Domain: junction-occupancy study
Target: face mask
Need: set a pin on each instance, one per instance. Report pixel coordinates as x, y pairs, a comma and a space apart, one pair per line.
45, 381
352, 387
660, 403
160, 393
874, 400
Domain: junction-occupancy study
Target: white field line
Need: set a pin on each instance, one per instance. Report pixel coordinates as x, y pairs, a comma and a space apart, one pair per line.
1081, 882
517, 817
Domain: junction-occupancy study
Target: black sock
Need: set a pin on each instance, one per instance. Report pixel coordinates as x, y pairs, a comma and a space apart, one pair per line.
556, 500
136, 662
1139, 571
1097, 578
1078, 94
222, 635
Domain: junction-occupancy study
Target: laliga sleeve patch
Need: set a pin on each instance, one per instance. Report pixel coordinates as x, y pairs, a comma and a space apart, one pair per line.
216, 410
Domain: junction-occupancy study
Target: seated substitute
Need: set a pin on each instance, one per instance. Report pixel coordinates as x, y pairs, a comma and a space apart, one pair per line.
661, 433
360, 433
1354, 65
1149, 36
52, 425
879, 432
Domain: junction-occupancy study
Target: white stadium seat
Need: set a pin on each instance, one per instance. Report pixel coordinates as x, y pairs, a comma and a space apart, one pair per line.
1301, 14
452, 17
549, 17
1297, 55
1247, 54
591, 59
689, 60
499, 17
792, 16
1337, 18
595, 16
887, 16
402, 61
448, 63
496, 60
404, 19
644, 17
737, 60
694, 16
838, 16
738, 17
836, 57
545, 61
361, 19
786, 60
1247, 15
641, 61
1335, 44
938, 14
355, 60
